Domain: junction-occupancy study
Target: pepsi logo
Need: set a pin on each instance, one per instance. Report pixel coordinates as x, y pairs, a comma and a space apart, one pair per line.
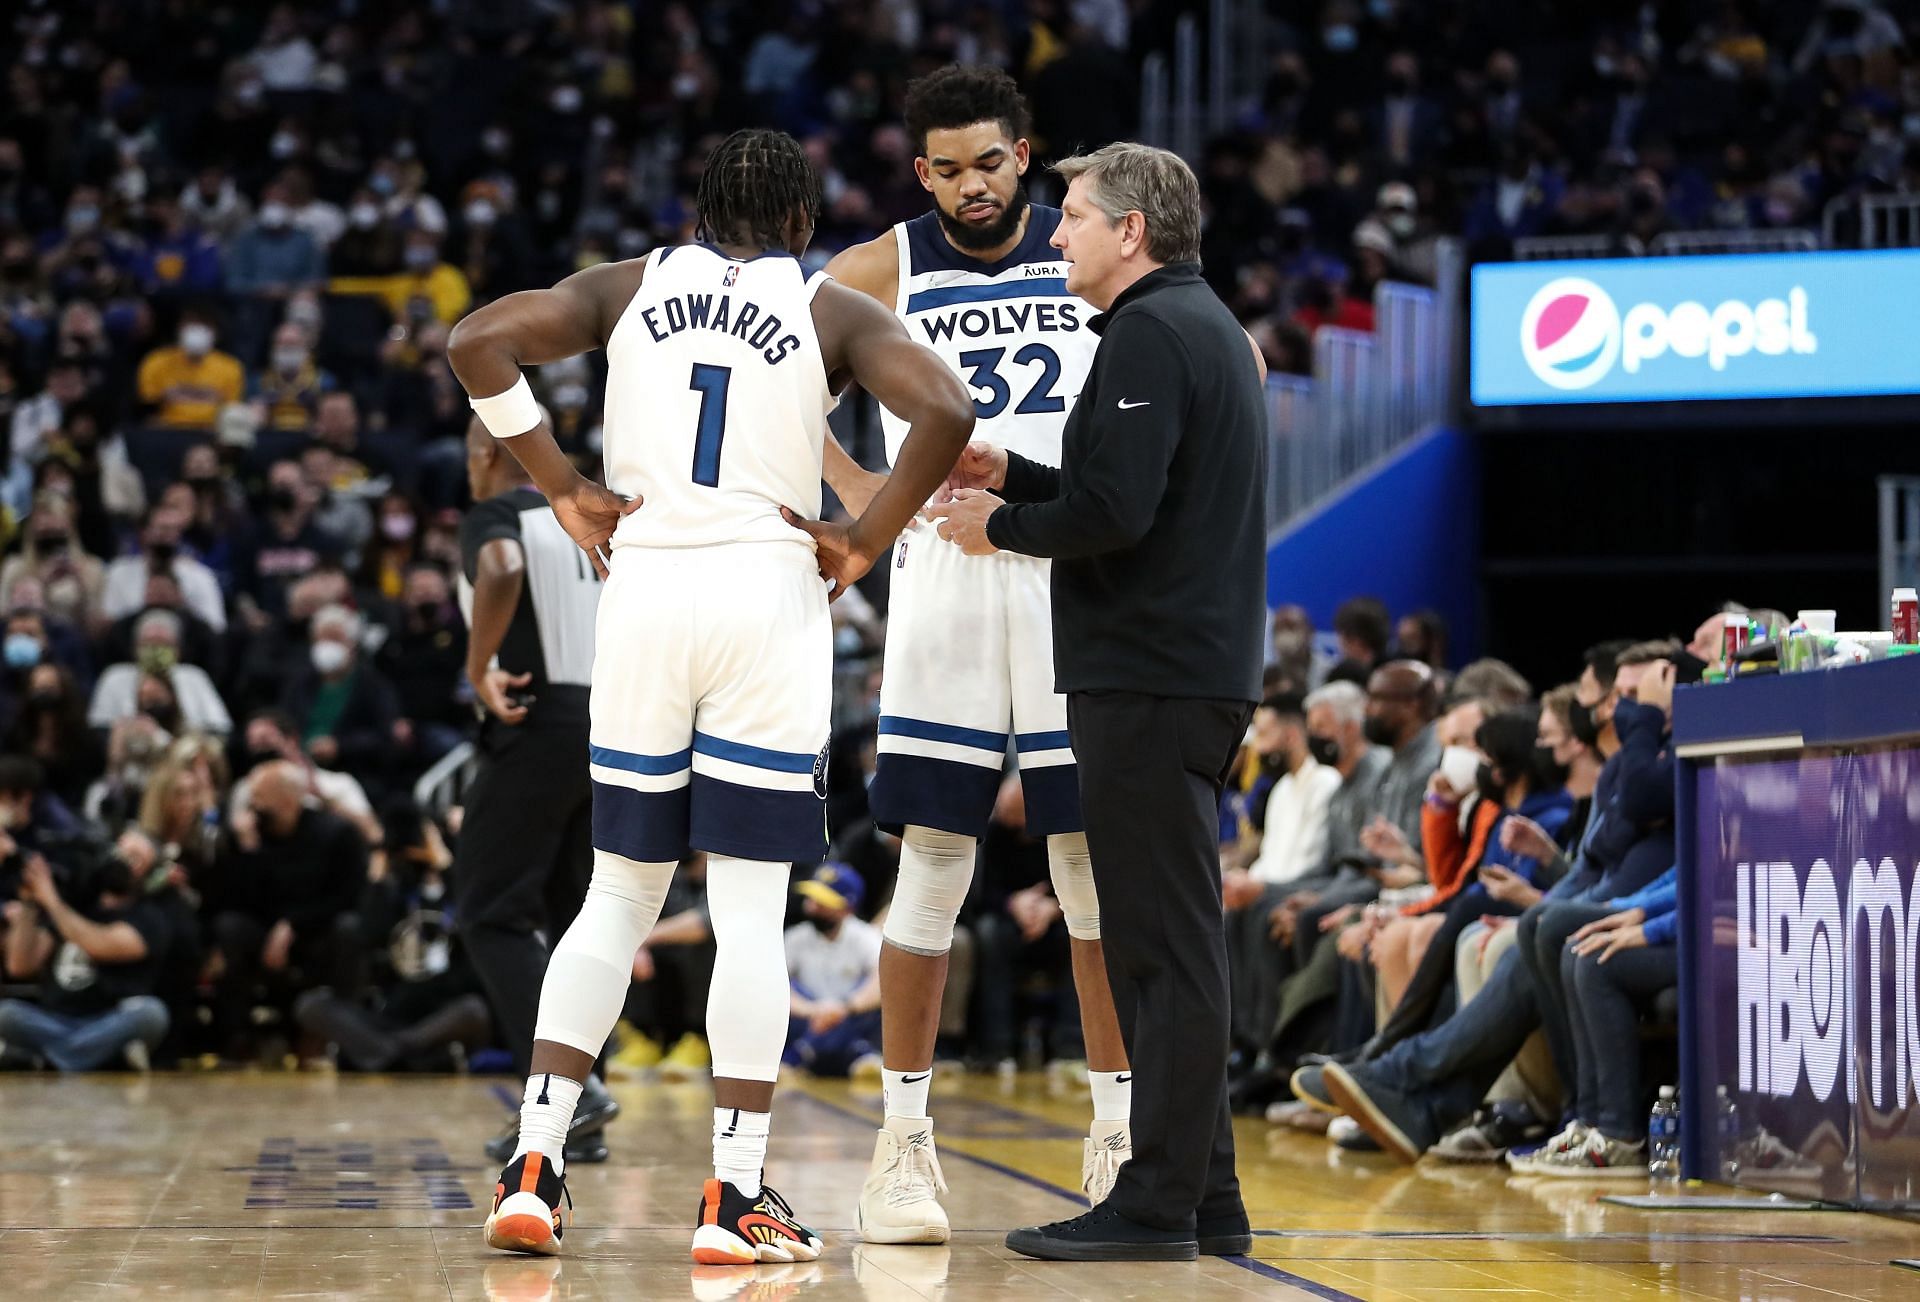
1570, 333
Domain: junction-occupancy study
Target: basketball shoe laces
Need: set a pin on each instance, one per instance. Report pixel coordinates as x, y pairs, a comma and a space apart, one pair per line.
1107, 1161
915, 1174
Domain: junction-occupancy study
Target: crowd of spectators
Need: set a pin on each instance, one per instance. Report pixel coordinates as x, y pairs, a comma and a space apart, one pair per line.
1378, 126
1451, 899
233, 241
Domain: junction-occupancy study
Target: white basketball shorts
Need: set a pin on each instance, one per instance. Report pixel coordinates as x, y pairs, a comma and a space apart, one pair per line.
712, 697
969, 667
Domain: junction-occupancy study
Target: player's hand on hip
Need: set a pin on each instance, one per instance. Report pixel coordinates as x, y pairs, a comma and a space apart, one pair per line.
841, 562
965, 520
590, 514
491, 690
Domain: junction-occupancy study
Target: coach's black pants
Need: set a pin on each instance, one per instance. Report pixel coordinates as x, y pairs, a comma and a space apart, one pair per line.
1151, 768
524, 859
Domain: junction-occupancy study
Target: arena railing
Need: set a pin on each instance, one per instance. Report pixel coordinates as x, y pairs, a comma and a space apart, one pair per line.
1872, 221
1368, 394
1787, 239
1551, 248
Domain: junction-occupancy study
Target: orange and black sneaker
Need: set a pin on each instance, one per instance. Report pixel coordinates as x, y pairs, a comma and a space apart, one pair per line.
735, 1230
527, 1215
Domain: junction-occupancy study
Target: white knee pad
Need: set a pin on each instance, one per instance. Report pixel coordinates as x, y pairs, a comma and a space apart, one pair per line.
749, 999
587, 977
936, 868
1072, 868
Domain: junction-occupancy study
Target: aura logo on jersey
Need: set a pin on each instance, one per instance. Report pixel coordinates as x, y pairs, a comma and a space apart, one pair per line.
1815, 980
1570, 333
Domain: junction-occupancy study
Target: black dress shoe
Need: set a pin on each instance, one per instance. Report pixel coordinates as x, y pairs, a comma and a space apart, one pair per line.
589, 1119
1103, 1235
1224, 1236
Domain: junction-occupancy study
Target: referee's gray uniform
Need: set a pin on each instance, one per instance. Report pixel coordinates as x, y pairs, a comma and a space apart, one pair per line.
526, 846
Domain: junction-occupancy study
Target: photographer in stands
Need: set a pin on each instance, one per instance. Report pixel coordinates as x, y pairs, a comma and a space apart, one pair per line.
96, 936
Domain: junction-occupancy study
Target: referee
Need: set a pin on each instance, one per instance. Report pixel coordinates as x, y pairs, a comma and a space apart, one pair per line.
1156, 521
526, 848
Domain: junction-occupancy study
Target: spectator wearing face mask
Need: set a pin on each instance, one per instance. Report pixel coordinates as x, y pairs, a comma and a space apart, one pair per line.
123, 690
288, 921
214, 205
353, 464
36, 419
287, 544
289, 389
370, 246
393, 548
125, 589
199, 645
1290, 846
186, 384
176, 258
425, 657
271, 736
105, 487
490, 244
272, 258
51, 554
424, 278
50, 725
833, 960
346, 710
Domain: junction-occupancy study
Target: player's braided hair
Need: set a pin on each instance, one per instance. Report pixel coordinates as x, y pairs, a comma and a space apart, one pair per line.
753, 184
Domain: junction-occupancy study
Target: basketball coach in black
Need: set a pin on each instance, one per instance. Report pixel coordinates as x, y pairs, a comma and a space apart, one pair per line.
1156, 523
526, 845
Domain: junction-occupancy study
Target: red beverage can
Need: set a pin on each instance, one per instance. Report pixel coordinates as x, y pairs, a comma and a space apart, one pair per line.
1906, 617
1733, 640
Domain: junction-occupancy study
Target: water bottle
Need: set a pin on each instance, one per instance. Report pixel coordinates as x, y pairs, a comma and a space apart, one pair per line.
1727, 1113
1663, 1138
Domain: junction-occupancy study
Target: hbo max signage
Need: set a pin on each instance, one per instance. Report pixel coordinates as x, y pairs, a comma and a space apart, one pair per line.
1806, 325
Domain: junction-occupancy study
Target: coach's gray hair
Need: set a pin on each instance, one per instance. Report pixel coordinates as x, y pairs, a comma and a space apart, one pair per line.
1126, 177
1347, 701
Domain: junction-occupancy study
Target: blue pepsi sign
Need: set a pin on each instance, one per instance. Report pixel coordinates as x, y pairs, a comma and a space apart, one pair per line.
1776, 325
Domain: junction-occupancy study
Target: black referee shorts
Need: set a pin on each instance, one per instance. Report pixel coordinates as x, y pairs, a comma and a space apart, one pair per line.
526, 845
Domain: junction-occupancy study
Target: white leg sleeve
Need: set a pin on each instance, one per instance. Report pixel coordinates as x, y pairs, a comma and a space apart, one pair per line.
936, 868
587, 976
748, 1002
1072, 869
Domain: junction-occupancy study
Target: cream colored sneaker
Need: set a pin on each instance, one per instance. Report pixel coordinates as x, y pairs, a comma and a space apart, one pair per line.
900, 1203
1108, 1146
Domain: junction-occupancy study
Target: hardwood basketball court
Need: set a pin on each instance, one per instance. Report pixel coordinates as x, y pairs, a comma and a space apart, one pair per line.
275, 1185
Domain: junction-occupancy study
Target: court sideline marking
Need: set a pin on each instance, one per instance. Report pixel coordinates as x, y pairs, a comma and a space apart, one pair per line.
1253, 1264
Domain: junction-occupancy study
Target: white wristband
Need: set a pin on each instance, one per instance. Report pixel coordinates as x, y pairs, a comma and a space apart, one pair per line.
510, 414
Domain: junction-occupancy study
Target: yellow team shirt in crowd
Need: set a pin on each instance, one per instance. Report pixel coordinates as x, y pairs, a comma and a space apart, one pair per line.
190, 392
445, 287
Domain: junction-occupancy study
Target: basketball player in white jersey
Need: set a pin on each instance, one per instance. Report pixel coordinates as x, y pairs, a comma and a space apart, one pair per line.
970, 639
712, 674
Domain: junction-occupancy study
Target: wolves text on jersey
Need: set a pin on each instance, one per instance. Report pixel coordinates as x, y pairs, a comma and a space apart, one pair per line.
1005, 319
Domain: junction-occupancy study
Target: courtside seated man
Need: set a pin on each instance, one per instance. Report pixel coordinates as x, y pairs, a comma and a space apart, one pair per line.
712, 673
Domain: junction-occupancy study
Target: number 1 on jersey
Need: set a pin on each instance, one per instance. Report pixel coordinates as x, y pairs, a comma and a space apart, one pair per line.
710, 382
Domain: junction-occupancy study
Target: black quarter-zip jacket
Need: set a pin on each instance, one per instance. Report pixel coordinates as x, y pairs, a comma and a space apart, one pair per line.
1156, 517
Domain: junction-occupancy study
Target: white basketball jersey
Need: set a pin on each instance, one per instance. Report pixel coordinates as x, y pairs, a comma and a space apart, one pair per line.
1011, 331
717, 400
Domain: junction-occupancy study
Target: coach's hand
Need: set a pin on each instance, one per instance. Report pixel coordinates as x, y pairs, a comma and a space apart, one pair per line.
965, 520
491, 689
590, 514
981, 465
842, 561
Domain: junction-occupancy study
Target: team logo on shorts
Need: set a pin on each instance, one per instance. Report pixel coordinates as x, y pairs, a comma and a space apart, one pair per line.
820, 772
1570, 333
733, 274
